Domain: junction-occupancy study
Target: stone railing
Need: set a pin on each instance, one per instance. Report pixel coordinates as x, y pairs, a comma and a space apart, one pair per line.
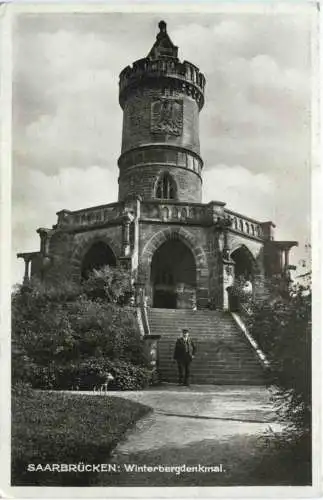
165, 211
241, 323
89, 216
211, 213
245, 225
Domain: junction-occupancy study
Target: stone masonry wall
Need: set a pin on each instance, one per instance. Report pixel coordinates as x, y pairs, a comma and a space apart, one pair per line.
67, 250
142, 181
137, 119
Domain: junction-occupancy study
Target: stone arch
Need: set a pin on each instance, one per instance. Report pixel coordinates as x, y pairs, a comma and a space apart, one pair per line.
82, 249
183, 235
242, 252
247, 265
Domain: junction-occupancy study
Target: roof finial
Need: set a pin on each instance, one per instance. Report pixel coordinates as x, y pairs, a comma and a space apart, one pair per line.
162, 26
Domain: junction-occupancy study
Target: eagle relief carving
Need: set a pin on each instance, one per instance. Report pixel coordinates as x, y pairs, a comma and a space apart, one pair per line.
167, 116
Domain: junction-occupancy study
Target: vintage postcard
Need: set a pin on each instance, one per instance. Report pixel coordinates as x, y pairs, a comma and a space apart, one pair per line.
160, 324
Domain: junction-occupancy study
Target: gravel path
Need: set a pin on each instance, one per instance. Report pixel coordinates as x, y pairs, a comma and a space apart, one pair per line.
204, 426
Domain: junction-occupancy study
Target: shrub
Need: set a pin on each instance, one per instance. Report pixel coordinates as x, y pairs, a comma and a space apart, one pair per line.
90, 373
113, 284
282, 327
55, 331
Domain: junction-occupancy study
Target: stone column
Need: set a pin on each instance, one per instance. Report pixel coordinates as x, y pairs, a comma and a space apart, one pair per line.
226, 249
43, 234
223, 224
151, 345
139, 294
127, 220
286, 251
26, 274
228, 279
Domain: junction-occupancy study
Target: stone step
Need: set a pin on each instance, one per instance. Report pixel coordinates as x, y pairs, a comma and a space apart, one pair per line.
213, 369
223, 355
225, 360
210, 353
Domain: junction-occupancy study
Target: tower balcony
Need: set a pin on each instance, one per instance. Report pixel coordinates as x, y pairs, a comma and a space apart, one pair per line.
184, 75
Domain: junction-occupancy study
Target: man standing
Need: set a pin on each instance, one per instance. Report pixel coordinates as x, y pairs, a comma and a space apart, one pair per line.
184, 353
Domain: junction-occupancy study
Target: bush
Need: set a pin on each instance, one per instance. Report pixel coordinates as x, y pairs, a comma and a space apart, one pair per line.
91, 373
282, 327
53, 428
54, 332
112, 284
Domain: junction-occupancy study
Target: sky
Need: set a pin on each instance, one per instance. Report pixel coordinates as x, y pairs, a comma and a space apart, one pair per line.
255, 127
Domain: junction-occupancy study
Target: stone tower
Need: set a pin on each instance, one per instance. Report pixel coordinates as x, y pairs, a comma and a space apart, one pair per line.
161, 98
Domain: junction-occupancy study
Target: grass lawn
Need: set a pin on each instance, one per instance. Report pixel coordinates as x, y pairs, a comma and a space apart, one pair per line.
60, 428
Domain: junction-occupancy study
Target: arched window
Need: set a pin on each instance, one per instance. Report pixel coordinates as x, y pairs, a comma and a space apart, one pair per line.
166, 187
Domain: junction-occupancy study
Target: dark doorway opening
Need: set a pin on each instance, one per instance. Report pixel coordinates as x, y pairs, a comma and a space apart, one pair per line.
165, 299
242, 290
244, 264
98, 256
173, 276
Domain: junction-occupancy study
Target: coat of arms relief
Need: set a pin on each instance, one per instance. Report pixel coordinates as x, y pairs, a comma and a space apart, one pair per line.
167, 116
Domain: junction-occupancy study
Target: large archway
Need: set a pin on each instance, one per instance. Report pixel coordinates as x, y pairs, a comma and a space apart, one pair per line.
245, 272
98, 255
173, 276
244, 267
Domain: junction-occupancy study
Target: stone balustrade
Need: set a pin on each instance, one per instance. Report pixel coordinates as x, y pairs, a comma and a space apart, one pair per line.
245, 225
165, 211
89, 216
206, 214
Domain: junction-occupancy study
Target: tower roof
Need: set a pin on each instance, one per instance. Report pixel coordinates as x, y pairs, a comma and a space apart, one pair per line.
163, 46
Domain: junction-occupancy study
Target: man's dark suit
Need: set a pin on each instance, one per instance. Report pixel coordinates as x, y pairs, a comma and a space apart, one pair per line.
183, 354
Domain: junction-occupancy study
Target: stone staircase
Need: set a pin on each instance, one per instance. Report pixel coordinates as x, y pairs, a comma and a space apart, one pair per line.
224, 355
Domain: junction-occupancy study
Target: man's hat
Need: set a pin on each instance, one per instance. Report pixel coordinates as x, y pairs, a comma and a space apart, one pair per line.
185, 330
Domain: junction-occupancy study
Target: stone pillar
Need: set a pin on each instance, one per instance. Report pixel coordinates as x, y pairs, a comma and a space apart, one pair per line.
44, 240
127, 219
286, 251
151, 342
226, 249
139, 294
222, 224
227, 282
268, 230
26, 274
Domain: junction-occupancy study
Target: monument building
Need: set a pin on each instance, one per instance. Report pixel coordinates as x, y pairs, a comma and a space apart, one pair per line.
184, 254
